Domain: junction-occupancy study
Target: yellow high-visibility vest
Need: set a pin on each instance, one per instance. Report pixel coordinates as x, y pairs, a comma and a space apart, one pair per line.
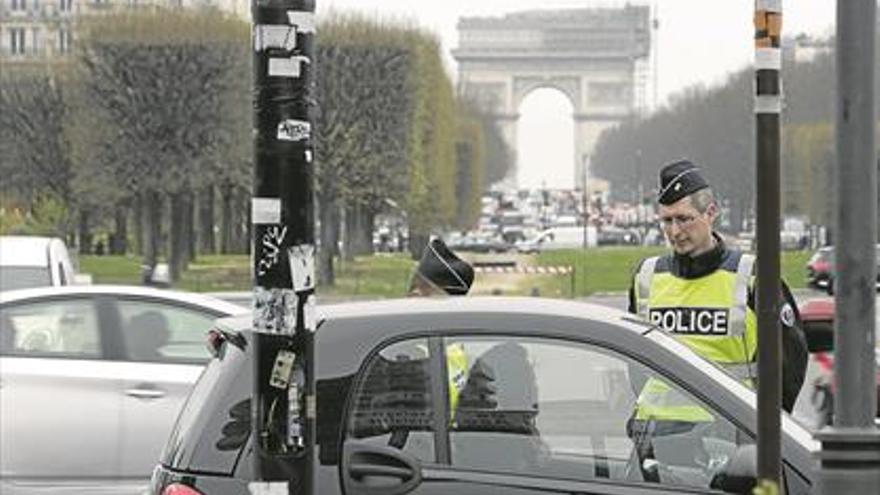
710, 315
456, 368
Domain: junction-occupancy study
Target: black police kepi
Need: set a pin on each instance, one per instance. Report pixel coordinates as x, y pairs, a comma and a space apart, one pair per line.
441, 272
679, 179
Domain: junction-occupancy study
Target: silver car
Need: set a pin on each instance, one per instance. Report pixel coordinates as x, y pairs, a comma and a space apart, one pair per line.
91, 380
33, 261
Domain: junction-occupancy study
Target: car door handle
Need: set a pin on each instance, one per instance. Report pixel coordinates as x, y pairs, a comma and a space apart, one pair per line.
369, 466
145, 393
358, 471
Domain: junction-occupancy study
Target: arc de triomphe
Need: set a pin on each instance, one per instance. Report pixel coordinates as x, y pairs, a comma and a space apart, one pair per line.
593, 56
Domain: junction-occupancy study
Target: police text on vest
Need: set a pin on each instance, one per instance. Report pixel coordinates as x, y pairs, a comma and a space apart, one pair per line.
690, 321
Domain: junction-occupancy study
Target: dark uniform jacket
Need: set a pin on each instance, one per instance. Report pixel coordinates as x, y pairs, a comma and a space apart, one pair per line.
794, 344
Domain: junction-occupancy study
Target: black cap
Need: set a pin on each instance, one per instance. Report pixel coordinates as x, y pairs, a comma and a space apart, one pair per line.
441, 267
679, 179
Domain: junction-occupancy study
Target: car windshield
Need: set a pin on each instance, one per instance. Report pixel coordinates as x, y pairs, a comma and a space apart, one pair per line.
23, 277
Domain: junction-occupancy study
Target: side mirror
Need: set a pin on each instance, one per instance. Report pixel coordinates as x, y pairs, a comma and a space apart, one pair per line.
740, 475
820, 335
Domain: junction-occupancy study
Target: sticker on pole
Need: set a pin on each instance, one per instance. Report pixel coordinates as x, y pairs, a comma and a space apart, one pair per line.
294, 130
274, 36
275, 311
302, 267
268, 488
288, 66
304, 22
270, 248
280, 376
309, 311
265, 210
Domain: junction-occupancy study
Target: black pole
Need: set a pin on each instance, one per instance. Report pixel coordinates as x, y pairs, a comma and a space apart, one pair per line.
768, 106
850, 456
283, 256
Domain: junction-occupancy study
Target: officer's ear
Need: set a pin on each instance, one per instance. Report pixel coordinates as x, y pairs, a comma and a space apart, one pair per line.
712, 212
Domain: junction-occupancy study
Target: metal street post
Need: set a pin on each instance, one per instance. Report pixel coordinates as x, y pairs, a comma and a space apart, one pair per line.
283, 256
850, 456
585, 198
768, 106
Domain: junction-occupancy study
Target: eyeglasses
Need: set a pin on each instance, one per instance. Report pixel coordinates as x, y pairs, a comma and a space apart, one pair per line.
680, 220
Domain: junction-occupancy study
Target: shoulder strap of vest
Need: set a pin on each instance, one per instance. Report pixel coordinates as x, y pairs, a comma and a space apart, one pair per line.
643, 283
741, 283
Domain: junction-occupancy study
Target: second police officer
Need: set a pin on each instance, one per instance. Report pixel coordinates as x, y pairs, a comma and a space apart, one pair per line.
703, 294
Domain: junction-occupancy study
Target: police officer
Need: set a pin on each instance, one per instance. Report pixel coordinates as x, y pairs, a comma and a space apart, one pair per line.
703, 292
440, 272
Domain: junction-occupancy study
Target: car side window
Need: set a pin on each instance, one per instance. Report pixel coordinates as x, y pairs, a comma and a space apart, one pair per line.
392, 404
62, 328
558, 409
156, 332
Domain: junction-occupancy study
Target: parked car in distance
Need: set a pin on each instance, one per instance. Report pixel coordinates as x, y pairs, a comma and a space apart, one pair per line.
818, 318
33, 261
92, 379
386, 423
477, 242
558, 238
829, 287
610, 236
819, 267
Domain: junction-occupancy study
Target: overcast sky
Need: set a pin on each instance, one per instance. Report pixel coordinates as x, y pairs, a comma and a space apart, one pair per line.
698, 42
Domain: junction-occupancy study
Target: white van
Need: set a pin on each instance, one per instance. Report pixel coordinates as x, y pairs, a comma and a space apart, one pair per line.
558, 238
32, 261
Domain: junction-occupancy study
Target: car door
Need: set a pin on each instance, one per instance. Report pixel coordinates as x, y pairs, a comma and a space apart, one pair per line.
163, 345
59, 396
531, 415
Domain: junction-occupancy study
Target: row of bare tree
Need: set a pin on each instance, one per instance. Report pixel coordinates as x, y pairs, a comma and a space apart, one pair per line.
149, 125
715, 128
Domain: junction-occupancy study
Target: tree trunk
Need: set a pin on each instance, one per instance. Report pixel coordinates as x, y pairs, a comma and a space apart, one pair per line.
152, 209
207, 242
179, 248
326, 276
84, 231
226, 198
417, 242
335, 230
247, 225
119, 241
358, 231
138, 217
242, 227
189, 233
368, 226
348, 238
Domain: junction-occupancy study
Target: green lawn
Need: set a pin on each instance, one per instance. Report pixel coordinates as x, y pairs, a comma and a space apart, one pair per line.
609, 269
606, 269
380, 275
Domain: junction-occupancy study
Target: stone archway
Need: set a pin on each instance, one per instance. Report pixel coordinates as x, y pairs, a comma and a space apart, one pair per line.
591, 55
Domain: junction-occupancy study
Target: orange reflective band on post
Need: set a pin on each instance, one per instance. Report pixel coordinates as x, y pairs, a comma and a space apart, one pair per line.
768, 29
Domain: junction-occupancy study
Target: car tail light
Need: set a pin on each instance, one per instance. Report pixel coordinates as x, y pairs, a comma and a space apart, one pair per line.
214, 342
177, 489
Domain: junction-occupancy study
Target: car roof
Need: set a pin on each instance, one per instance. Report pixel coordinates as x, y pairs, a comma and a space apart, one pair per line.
123, 290
23, 250
532, 306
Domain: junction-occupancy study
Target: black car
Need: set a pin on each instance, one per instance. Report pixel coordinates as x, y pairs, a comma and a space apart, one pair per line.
545, 407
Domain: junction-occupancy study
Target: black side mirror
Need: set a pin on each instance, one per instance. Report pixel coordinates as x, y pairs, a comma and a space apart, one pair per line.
820, 335
741, 472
